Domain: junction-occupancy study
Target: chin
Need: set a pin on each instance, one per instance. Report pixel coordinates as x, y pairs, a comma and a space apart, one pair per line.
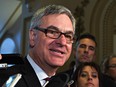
59, 64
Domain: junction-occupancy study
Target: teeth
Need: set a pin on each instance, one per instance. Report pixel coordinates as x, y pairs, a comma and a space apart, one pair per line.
57, 51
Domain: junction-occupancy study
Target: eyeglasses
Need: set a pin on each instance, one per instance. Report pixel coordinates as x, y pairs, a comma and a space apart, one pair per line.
112, 66
54, 33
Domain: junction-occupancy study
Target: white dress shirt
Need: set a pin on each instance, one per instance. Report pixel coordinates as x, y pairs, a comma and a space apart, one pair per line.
39, 72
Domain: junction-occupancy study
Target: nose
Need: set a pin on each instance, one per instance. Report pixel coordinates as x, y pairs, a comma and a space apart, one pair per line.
89, 77
86, 50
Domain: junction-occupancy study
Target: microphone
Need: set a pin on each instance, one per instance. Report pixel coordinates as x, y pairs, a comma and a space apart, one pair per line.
12, 80
3, 65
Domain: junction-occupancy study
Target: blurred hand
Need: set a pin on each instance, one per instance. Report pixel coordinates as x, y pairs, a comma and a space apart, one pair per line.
0, 56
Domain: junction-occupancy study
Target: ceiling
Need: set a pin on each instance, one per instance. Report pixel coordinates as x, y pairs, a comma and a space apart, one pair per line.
7, 8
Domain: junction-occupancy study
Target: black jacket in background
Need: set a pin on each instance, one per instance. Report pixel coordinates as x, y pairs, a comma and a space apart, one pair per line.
107, 81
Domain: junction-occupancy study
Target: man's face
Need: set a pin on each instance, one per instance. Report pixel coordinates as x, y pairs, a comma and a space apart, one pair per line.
48, 51
85, 51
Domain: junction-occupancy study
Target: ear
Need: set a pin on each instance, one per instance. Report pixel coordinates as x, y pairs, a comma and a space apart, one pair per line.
32, 37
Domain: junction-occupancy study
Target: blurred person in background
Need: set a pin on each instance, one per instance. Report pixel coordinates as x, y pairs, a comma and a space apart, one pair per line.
87, 74
109, 71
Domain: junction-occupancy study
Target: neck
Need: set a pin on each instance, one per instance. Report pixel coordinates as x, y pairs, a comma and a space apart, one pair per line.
48, 69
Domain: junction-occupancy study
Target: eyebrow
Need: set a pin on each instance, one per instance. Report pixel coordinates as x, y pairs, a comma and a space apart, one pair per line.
53, 27
87, 45
57, 29
91, 72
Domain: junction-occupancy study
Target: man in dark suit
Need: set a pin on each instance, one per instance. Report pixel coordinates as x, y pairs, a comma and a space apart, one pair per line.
51, 36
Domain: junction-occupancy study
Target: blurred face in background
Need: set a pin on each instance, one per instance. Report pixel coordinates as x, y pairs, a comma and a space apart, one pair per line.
112, 68
85, 51
88, 77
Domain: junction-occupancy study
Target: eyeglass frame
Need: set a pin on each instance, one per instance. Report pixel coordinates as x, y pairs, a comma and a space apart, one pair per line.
45, 30
112, 66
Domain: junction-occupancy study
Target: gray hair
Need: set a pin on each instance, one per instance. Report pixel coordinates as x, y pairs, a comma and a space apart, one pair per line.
51, 9
105, 62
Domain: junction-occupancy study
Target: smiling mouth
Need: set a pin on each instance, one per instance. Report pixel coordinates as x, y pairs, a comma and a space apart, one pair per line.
57, 51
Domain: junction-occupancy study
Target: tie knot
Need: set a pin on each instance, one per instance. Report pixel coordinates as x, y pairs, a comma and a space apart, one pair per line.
47, 79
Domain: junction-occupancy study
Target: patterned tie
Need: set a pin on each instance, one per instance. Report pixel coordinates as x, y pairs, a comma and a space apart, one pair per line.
47, 81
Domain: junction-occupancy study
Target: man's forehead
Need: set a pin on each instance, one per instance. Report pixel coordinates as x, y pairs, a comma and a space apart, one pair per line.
87, 41
58, 21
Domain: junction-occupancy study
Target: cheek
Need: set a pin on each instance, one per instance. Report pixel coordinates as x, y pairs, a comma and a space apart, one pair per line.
81, 81
43, 40
80, 51
92, 53
42, 44
96, 82
70, 48
112, 72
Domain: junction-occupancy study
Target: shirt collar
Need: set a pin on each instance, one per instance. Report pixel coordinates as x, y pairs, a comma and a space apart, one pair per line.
39, 72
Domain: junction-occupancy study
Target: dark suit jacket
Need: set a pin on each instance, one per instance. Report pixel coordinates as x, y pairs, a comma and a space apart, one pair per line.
70, 73
107, 81
29, 78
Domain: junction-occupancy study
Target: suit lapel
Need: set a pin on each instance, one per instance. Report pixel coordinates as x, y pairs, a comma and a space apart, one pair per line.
30, 75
